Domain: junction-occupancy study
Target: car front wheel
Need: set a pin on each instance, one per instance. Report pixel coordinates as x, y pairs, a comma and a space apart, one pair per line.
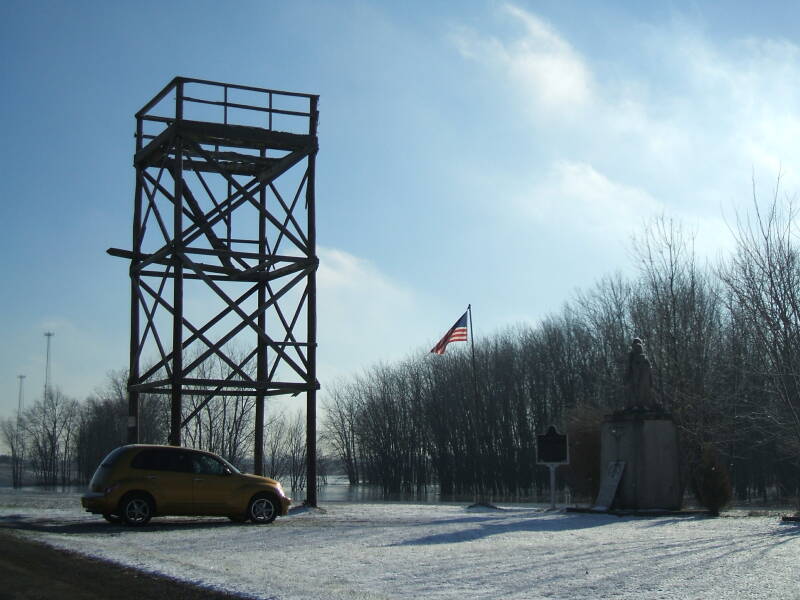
262, 509
112, 518
136, 509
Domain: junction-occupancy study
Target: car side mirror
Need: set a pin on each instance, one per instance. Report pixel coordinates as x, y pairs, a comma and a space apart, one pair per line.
228, 471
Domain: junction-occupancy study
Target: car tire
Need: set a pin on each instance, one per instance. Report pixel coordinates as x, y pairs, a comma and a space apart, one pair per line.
136, 509
263, 509
112, 518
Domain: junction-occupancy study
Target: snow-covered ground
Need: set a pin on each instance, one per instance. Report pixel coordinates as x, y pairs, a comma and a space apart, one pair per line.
439, 551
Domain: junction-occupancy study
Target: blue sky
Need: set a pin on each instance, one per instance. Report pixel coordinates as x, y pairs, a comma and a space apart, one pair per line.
499, 154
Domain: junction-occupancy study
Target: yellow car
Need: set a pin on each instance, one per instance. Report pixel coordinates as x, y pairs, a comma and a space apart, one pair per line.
134, 483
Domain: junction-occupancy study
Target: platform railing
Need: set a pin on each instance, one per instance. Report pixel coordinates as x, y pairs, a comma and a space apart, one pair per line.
216, 103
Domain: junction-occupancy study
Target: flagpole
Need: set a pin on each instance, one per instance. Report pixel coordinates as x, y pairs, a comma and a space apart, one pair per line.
479, 494
472, 415
472, 342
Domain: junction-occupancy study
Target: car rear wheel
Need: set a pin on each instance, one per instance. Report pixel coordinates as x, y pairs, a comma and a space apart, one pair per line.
136, 509
262, 509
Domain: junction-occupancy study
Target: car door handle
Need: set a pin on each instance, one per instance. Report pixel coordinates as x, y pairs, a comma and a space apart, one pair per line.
198, 479
152, 477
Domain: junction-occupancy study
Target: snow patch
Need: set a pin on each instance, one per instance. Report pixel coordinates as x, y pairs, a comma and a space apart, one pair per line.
439, 551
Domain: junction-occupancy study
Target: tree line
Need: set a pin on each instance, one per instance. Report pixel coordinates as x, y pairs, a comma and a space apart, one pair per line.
723, 341
724, 345
59, 441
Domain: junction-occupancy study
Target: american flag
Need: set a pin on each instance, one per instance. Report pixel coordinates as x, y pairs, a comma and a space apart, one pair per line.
457, 333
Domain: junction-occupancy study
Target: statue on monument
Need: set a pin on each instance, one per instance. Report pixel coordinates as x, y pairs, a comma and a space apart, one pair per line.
639, 379
639, 451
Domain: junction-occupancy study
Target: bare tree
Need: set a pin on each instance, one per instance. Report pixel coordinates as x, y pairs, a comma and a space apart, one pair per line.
15, 440
763, 280
339, 431
48, 427
101, 428
222, 423
275, 443
296, 450
102, 422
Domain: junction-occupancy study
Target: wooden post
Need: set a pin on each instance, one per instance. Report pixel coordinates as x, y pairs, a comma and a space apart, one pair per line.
136, 245
261, 356
311, 394
177, 283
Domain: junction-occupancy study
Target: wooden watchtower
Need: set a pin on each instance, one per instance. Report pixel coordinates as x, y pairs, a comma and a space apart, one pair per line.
224, 251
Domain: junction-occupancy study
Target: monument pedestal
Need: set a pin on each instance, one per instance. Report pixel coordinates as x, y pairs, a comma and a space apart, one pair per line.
647, 443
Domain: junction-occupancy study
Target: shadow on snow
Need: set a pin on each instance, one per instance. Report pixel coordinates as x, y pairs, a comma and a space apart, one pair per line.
83, 527
486, 525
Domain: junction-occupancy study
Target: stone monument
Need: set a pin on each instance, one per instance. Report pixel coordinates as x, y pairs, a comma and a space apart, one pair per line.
639, 446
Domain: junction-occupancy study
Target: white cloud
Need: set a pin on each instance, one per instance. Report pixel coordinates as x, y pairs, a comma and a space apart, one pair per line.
681, 123
575, 196
745, 99
575, 199
364, 315
545, 68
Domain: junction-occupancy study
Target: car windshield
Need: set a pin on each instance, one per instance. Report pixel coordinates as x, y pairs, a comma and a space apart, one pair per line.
229, 465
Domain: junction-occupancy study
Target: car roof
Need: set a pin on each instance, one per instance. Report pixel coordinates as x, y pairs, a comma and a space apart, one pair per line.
132, 447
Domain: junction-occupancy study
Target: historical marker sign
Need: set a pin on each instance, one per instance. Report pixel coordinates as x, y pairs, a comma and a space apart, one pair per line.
552, 448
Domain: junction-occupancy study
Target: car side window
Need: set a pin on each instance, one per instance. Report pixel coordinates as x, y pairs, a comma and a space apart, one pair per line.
146, 459
207, 465
178, 461
162, 460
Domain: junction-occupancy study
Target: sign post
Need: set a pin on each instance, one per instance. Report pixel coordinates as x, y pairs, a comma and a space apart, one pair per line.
552, 449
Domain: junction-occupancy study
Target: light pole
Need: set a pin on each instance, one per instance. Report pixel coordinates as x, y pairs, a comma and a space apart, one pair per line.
17, 452
48, 335
19, 401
